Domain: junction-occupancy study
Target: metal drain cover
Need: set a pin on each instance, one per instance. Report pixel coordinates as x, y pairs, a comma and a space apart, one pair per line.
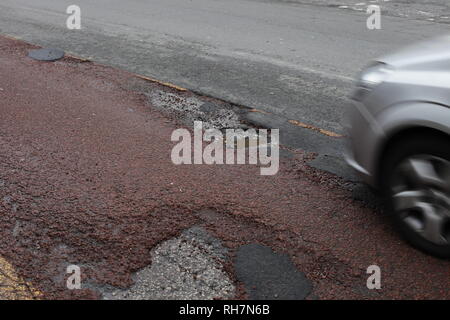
46, 54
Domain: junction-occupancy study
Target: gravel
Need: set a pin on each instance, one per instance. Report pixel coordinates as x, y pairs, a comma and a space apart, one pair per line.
187, 267
190, 109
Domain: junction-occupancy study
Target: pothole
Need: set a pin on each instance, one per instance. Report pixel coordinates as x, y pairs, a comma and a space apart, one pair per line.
187, 267
190, 109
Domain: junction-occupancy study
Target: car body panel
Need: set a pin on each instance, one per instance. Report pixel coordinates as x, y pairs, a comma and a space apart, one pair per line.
415, 95
432, 54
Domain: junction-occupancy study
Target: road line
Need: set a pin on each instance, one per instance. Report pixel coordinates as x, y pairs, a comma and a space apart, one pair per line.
260, 111
166, 84
304, 125
322, 131
12, 286
72, 56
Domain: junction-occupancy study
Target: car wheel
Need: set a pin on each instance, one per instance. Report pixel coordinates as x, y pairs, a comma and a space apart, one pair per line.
415, 176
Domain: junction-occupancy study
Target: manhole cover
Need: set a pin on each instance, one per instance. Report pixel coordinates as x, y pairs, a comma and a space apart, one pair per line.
46, 54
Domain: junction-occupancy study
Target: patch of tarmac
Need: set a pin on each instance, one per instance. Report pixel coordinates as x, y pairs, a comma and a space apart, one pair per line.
268, 275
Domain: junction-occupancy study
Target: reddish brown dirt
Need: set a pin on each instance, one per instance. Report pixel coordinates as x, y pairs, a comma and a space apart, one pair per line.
86, 178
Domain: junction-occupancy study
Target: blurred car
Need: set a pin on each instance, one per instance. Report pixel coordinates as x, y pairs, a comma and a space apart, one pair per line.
399, 139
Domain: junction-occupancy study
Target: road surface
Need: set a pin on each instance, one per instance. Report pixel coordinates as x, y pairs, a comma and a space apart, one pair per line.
294, 60
85, 177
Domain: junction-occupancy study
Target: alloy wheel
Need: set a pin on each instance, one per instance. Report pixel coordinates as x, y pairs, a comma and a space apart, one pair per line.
420, 190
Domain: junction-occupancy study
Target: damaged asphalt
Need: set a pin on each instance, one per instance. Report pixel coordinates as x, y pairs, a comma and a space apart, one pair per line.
87, 179
295, 59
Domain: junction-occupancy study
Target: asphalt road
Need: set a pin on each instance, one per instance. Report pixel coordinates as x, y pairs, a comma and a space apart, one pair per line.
294, 60
86, 179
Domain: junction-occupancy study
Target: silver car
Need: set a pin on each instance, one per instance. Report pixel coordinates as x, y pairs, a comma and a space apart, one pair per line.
399, 139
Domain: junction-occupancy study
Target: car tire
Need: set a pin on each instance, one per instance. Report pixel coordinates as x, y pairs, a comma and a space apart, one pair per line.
413, 195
